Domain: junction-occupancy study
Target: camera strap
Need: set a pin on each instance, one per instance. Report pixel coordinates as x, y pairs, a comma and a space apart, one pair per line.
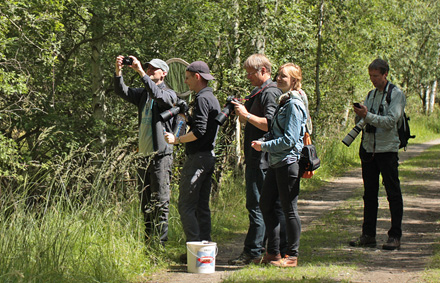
249, 97
378, 112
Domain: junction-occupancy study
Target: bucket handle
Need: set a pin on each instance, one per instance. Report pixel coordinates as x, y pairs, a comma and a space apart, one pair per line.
216, 251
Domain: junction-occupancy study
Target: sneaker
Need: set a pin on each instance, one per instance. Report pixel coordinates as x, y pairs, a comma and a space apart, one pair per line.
243, 259
267, 258
183, 258
364, 241
392, 244
287, 261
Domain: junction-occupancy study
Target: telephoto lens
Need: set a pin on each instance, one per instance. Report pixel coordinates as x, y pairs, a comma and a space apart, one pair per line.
180, 107
226, 111
223, 116
351, 136
168, 114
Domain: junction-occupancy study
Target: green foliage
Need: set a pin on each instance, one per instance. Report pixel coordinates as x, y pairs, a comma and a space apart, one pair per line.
68, 223
56, 60
10, 161
57, 57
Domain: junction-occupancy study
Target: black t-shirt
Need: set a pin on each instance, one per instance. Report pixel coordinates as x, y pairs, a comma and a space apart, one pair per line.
203, 125
262, 102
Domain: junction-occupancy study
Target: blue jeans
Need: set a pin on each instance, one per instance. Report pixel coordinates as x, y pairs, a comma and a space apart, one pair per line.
194, 193
282, 183
253, 244
154, 176
385, 164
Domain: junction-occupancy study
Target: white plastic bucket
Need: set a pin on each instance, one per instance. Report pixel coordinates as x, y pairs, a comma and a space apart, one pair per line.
201, 256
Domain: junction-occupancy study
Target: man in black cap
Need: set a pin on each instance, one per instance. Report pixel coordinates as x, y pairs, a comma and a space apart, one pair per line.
154, 174
196, 175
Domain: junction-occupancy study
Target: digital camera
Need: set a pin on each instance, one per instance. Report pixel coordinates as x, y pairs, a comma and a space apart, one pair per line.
226, 111
180, 107
127, 61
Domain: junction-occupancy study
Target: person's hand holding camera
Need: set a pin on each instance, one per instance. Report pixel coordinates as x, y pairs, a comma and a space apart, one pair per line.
130, 61
241, 111
119, 65
361, 111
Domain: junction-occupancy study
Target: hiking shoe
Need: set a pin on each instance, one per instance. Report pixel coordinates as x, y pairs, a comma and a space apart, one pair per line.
267, 258
183, 258
392, 244
287, 261
364, 241
243, 259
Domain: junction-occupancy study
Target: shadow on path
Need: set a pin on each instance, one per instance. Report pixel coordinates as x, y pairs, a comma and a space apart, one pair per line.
420, 228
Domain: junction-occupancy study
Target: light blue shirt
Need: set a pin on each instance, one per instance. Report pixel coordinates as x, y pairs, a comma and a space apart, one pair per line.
386, 138
288, 129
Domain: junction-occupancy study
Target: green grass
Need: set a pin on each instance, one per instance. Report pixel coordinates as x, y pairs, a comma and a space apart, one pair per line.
323, 251
78, 220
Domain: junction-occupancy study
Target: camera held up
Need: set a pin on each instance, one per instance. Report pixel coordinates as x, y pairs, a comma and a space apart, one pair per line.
226, 111
127, 61
351, 136
180, 108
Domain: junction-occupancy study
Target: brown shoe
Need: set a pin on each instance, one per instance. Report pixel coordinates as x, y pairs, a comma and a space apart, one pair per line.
287, 261
392, 244
267, 258
364, 241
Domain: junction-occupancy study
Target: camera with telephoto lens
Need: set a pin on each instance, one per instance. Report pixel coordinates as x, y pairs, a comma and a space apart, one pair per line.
180, 107
127, 61
226, 111
351, 136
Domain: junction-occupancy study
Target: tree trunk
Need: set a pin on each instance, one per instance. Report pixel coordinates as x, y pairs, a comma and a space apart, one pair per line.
99, 107
433, 94
426, 99
236, 66
422, 95
318, 58
260, 43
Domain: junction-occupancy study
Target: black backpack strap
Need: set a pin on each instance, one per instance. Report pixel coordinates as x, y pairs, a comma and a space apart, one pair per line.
390, 89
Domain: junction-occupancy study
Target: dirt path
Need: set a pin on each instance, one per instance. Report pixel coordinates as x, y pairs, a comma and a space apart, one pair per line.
420, 224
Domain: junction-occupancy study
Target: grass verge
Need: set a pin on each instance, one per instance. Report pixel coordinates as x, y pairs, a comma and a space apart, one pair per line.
86, 224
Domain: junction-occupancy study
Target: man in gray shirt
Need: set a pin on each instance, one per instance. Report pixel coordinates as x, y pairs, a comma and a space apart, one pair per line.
154, 174
379, 155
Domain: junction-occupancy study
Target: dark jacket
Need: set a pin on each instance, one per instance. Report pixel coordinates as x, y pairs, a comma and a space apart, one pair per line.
164, 98
203, 124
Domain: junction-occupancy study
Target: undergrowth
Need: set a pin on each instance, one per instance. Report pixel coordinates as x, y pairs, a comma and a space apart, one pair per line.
78, 218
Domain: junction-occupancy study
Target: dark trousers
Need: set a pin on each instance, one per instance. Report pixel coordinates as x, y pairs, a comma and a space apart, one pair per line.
253, 243
385, 164
194, 193
282, 183
154, 177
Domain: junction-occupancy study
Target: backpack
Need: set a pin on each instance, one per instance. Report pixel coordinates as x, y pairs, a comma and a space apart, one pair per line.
309, 160
403, 129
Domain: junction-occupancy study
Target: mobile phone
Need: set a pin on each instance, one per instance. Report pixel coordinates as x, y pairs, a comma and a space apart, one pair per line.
356, 105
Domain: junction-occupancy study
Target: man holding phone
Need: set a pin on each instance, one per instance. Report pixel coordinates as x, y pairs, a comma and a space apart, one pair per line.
379, 156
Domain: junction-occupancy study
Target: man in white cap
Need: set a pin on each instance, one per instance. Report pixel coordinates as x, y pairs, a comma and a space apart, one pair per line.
196, 176
154, 174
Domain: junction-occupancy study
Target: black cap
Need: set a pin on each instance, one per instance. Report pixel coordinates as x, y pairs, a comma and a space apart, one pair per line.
201, 68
